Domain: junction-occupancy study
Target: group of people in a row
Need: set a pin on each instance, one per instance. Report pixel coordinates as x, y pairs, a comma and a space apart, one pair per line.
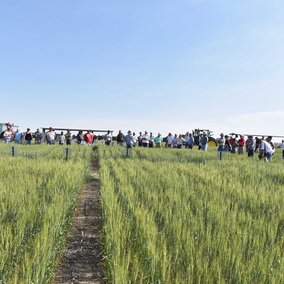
225, 143
49, 137
264, 146
233, 144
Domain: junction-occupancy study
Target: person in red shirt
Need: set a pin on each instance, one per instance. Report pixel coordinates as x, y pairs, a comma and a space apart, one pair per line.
88, 138
241, 144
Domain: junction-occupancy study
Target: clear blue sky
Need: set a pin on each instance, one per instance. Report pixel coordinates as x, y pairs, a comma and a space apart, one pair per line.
157, 65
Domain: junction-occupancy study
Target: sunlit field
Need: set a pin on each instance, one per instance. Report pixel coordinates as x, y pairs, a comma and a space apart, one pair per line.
38, 192
182, 216
170, 215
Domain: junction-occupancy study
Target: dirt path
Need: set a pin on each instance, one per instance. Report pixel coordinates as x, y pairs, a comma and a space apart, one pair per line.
82, 258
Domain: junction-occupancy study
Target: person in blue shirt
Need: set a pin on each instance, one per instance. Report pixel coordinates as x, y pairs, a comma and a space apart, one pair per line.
158, 140
203, 142
129, 139
18, 137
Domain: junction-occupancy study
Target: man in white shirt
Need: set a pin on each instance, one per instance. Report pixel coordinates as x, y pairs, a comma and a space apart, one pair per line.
108, 138
170, 140
266, 149
50, 136
145, 139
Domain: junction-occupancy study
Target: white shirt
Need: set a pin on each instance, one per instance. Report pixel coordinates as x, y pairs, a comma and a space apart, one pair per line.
170, 139
145, 138
8, 134
266, 147
180, 140
108, 137
50, 135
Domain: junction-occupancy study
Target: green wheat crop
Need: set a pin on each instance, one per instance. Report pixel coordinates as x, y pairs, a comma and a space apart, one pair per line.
38, 192
182, 216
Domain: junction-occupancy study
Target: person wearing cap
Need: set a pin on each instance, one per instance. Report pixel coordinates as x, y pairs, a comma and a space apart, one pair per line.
158, 141
129, 140
250, 146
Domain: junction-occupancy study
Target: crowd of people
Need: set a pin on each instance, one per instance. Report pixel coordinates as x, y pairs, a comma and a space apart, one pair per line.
49, 137
231, 144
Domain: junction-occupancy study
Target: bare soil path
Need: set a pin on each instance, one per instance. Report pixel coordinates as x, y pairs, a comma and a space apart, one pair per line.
82, 259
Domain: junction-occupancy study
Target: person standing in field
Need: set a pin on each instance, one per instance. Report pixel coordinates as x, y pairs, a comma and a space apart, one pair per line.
269, 139
233, 144
134, 139
180, 141
38, 137
250, 146
227, 147
170, 140
145, 139
28, 137
158, 141
266, 150
61, 138
140, 138
203, 142
120, 138
108, 138
88, 138
129, 140
8, 134
175, 141
80, 137
50, 136
18, 137
258, 143
189, 140
68, 137
151, 140
221, 143
241, 144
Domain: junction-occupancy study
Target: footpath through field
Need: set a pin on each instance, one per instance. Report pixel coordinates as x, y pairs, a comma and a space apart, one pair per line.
82, 259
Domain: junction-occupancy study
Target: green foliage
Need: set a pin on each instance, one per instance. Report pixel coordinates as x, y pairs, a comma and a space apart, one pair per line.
183, 216
38, 192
